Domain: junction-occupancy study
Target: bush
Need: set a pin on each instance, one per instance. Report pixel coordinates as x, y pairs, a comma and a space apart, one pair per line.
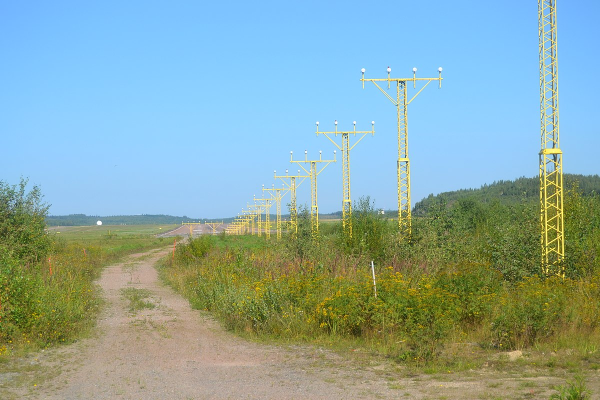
41, 308
372, 233
22, 222
529, 312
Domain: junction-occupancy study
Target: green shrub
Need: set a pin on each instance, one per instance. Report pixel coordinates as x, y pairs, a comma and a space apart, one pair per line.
532, 310
22, 222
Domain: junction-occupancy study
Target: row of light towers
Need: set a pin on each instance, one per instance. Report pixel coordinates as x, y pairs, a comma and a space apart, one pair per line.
550, 156
245, 222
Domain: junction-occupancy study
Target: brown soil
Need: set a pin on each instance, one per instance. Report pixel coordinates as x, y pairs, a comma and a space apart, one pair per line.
173, 352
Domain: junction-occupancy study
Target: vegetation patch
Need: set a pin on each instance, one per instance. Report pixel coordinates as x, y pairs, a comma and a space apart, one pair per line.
467, 279
47, 290
137, 299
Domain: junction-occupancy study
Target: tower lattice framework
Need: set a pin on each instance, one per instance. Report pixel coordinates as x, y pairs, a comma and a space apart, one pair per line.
403, 164
345, 148
551, 176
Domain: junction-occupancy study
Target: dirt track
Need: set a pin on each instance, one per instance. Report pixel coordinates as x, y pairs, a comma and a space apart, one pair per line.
174, 352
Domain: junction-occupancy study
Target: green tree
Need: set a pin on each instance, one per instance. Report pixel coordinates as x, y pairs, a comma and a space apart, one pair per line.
22, 222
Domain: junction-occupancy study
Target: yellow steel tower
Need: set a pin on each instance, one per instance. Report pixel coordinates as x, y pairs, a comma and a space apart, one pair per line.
401, 102
235, 227
551, 179
313, 173
248, 218
214, 226
191, 225
277, 195
345, 149
292, 186
264, 205
244, 223
255, 219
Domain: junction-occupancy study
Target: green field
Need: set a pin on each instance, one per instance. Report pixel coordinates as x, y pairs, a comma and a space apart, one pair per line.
98, 232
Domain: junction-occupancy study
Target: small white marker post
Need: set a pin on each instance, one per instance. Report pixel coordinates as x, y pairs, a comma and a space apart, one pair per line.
374, 284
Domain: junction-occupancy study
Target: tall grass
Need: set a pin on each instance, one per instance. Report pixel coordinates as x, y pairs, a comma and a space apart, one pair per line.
468, 275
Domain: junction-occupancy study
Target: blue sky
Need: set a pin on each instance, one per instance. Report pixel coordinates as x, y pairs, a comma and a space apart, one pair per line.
187, 107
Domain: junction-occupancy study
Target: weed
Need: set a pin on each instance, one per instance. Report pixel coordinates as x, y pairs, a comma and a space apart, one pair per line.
573, 390
137, 299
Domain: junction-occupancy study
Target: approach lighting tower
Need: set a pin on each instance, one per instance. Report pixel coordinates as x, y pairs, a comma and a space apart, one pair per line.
235, 227
401, 102
551, 177
292, 186
214, 226
245, 221
313, 173
264, 205
345, 149
191, 225
276, 194
255, 220
256, 212
249, 219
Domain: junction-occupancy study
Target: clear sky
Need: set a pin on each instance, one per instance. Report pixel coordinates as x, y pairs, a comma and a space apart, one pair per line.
187, 107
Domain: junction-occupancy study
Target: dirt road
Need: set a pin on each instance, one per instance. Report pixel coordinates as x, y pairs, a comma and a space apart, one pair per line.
173, 352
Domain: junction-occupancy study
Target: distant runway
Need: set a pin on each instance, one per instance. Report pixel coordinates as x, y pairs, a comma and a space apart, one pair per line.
196, 230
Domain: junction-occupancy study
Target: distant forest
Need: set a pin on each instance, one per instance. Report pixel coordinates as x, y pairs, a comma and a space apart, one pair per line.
521, 190
504, 192
146, 219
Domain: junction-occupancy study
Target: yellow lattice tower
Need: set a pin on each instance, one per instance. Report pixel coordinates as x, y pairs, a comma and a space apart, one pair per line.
257, 225
403, 167
551, 177
237, 226
248, 220
244, 224
214, 226
345, 149
277, 195
264, 205
252, 212
292, 185
234, 228
313, 173
191, 225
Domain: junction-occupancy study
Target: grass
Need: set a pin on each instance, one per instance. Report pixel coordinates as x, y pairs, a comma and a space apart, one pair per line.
573, 390
137, 299
82, 233
457, 319
56, 300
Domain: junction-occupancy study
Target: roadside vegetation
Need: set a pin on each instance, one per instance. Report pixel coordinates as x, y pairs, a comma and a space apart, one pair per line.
47, 290
467, 283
